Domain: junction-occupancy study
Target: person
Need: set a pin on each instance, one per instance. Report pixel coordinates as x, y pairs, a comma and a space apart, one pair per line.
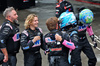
68, 23
31, 41
85, 18
9, 37
58, 44
63, 6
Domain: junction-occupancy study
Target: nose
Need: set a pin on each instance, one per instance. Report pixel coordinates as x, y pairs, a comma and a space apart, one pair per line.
17, 15
37, 21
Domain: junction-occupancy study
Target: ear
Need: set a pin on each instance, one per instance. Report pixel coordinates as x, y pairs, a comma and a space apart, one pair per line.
8, 16
57, 26
29, 22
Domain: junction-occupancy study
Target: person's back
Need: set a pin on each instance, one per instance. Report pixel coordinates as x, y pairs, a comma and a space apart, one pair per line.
56, 47
58, 43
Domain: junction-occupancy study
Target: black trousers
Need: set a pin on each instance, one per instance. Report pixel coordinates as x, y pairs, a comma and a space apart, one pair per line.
11, 61
31, 59
58, 61
87, 50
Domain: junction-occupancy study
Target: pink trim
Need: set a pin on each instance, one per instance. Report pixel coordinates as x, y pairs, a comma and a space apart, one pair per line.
48, 39
16, 37
40, 30
36, 45
81, 30
9, 26
0, 26
90, 31
69, 44
25, 32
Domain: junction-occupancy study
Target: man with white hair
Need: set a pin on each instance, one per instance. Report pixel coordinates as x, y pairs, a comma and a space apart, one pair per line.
9, 37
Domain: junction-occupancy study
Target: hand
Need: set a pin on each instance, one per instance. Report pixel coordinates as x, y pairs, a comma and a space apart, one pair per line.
4, 50
47, 51
5, 58
36, 38
58, 37
95, 44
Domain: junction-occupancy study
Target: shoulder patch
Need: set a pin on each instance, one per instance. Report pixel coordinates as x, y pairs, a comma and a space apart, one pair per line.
0, 26
2, 41
74, 32
40, 30
9, 25
25, 32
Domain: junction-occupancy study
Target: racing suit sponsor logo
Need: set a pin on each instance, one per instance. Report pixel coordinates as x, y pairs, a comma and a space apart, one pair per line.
16, 37
37, 43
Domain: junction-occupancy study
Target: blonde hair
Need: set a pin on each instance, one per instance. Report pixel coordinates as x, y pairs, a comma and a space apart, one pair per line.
29, 18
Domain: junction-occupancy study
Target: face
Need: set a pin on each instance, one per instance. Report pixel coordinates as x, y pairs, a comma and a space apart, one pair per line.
34, 22
13, 15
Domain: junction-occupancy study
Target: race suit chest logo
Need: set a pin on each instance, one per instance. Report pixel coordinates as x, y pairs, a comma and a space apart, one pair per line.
53, 44
48, 39
37, 43
82, 28
16, 37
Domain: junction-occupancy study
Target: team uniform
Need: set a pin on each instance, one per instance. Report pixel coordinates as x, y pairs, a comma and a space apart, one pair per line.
9, 39
83, 45
59, 51
85, 18
31, 51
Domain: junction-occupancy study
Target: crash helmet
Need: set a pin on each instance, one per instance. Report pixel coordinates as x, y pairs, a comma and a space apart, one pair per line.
67, 19
67, 6
86, 16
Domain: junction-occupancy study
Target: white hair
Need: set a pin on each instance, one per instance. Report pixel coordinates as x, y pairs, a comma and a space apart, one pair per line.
7, 11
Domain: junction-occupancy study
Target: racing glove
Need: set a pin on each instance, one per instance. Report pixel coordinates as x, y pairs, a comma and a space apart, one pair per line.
94, 41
